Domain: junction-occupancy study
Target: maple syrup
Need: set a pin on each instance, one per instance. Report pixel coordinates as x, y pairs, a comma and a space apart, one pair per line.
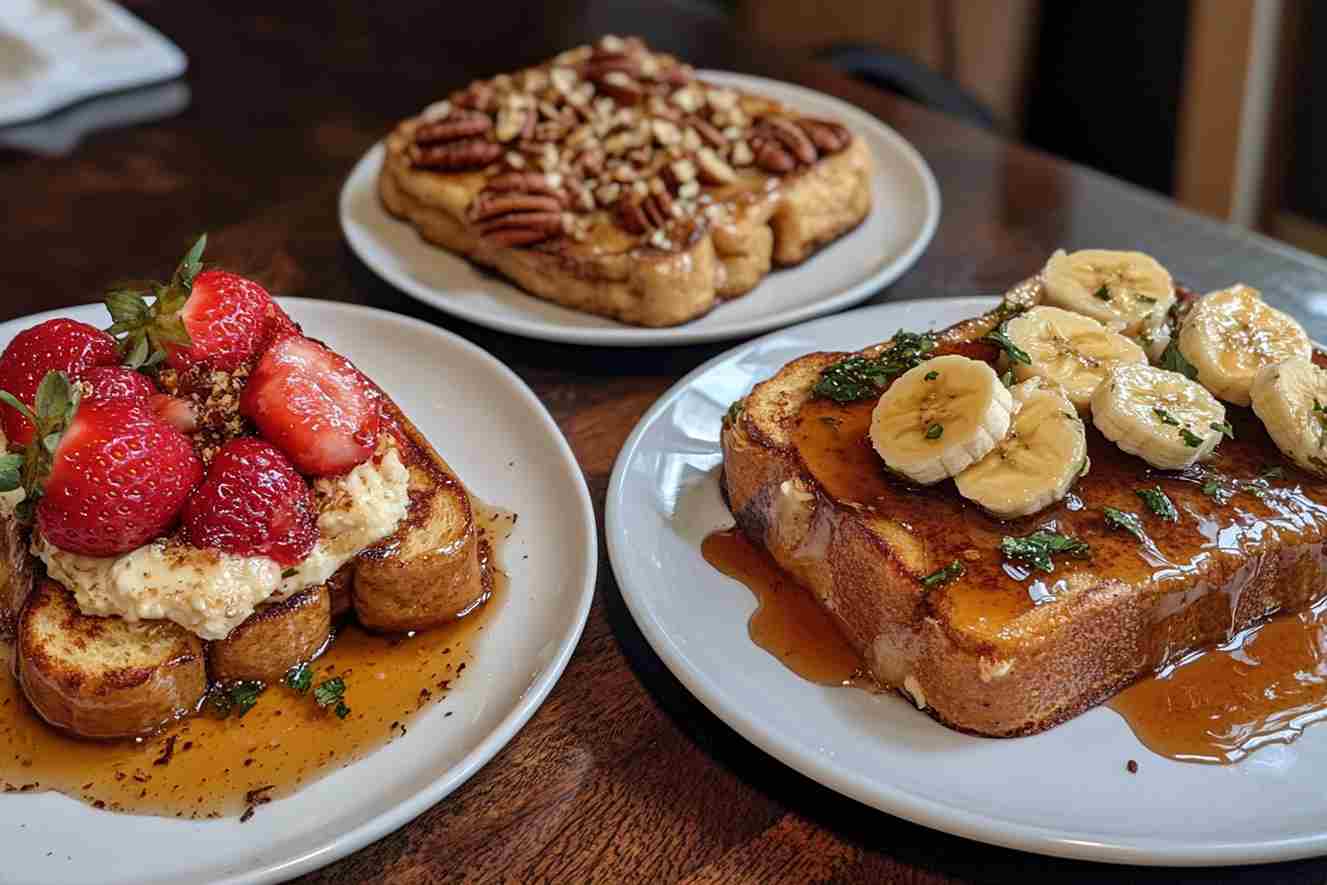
204, 767
787, 622
1263, 687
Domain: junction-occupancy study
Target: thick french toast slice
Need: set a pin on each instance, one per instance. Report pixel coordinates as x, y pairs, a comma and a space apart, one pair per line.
1002, 650
611, 180
274, 639
428, 572
105, 677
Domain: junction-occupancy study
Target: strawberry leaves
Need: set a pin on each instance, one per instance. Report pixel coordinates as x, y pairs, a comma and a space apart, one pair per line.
142, 329
55, 404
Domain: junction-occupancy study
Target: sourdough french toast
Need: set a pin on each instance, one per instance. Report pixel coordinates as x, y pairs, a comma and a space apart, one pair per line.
611, 181
996, 647
377, 526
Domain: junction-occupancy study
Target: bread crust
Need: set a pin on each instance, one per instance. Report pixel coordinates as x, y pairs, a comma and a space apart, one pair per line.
105, 677
1050, 662
274, 639
778, 225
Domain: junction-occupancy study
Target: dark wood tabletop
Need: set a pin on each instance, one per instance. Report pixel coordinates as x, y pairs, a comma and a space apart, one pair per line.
622, 776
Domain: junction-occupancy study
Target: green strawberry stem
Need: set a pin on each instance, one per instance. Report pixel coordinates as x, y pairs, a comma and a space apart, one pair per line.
143, 329
53, 410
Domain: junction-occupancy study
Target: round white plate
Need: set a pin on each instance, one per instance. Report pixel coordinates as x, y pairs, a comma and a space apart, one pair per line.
1063, 792
505, 446
902, 221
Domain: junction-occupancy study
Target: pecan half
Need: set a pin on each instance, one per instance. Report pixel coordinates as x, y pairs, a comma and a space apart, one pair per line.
772, 156
712, 136
489, 205
527, 183
459, 124
829, 138
641, 214
478, 96
521, 228
471, 153
787, 133
621, 87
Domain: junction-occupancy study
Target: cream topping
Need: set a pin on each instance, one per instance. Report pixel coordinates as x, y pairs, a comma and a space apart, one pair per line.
209, 592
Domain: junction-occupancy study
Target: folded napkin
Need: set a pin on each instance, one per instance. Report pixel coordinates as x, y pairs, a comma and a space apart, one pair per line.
56, 52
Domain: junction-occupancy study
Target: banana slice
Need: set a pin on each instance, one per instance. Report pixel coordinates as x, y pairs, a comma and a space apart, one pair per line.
939, 417
1290, 398
1230, 334
1158, 415
1126, 290
1069, 349
1037, 463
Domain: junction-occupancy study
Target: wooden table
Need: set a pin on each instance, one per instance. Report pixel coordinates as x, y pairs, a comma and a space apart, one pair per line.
622, 776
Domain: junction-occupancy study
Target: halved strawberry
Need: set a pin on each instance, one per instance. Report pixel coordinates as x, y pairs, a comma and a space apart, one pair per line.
60, 345
314, 406
118, 478
252, 503
215, 319
115, 382
226, 317
175, 411
279, 325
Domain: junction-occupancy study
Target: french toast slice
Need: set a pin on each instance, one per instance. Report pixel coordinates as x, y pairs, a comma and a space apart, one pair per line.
105, 677
1003, 650
429, 572
640, 194
275, 639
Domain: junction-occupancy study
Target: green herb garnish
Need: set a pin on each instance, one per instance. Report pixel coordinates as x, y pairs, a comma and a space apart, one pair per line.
1165, 416
734, 412
1037, 548
931, 376
299, 679
331, 693
934, 431
859, 377
1146, 299
1015, 353
1103, 293
1123, 519
1191, 439
1224, 429
1217, 492
1173, 360
943, 576
1157, 501
237, 698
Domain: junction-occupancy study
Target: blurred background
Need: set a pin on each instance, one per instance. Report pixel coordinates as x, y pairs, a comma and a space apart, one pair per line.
1206, 101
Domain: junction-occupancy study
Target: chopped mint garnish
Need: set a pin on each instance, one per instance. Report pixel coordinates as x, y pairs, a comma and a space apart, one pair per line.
1157, 501
1224, 429
943, 576
1123, 519
1173, 360
859, 377
1103, 293
1038, 548
999, 338
934, 431
1191, 439
1165, 416
931, 376
299, 679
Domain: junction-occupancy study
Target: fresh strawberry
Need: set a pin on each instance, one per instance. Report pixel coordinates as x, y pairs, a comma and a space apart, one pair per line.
118, 478
54, 346
252, 503
115, 382
214, 319
314, 406
178, 413
279, 325
226, 317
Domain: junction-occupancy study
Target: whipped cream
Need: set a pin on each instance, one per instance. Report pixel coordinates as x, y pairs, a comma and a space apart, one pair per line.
208, 592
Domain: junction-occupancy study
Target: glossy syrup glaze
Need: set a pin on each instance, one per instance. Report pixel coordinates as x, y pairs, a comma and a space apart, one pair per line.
206, 767
1263, 687
787, 622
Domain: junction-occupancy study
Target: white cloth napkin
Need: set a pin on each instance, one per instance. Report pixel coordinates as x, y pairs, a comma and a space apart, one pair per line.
56, 52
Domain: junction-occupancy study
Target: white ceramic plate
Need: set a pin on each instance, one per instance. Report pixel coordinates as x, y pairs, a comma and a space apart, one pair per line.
507, 449
906, 209
1064, 792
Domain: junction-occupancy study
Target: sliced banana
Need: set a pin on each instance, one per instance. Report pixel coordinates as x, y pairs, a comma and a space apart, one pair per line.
1037, 463
1160, 416
1128, 290
1290, 398
1230, 334
1069, 349
939, 417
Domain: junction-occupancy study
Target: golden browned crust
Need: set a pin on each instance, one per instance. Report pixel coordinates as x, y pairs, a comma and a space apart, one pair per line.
105, 677
774, 222
274, 639
16, 575
429, 571
1048, 664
